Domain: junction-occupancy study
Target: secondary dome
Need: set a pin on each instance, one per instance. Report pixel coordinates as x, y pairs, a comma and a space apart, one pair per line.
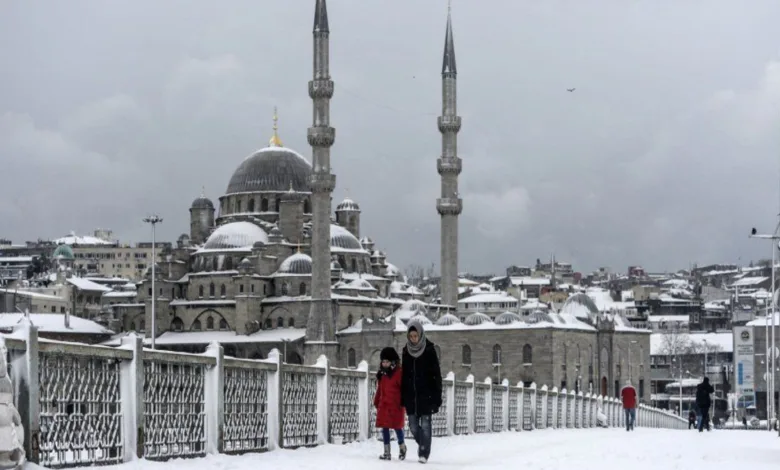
299, 263
273, 169
235, 235
343, 238
64, 251
580, 306
202, 203
508, 318
447, 319
476, 319
348, 205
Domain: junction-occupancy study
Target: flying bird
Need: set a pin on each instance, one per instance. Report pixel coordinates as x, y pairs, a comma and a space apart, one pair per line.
570, 89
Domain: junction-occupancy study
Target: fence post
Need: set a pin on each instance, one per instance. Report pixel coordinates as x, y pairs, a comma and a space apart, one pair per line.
505, 404
29, 407
562, 410
534, 396
520, 411
274, 397
131, 389
554, 410
214, 396
489, 405
572, 410
449, 400
470, 405
364, 407
323, 401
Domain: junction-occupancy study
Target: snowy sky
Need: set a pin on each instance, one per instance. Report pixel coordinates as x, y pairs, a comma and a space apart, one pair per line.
666, 154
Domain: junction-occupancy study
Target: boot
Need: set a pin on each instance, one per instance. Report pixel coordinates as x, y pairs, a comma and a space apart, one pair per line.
386, 455
401, 451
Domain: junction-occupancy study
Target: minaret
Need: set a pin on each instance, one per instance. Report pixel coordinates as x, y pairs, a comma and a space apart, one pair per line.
449, 165
320, 328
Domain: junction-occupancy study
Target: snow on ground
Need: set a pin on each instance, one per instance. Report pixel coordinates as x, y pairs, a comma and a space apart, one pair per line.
592, 449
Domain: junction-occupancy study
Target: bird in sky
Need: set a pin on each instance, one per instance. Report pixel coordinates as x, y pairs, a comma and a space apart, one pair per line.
570, 89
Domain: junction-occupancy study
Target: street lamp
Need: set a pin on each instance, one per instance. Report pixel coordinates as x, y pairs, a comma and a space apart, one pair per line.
770, 365
153, 220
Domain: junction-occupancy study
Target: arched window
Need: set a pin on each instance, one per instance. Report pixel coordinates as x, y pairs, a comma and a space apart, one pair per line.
351, 358
264, 205
280, 322
291, 322
142, 325
196, 325
222, 290
284, 288
210, 323
497, 354
211, 290
132, 326
228, 263
214, 264
306, 207
177, 324
251, 206
238, 206
200, 291
302, 289
277, 204
350, 320
528, 354
466, 355
223, 324
354, 265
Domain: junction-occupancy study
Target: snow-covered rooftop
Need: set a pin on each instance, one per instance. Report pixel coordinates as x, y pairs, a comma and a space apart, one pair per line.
489, 297
171, 338
74, 239
52, 323
86, 284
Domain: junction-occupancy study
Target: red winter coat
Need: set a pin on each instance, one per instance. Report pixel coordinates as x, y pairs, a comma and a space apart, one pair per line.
387, 400
628, 395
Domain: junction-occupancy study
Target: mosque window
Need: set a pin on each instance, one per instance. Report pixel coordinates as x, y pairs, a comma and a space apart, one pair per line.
200, 291
228, 263
342, 261
210, 323
351, 358
277, 204
211, 290
264, 205
222, 290
177, 324
214, 264
238, 206
306, 207
268, 324
196, 325
132, 326
251, 206
284, 288
302, 289
354, 265
223, 324
497, 354
241, 288
528, 354
350, 320
280, 322
466, 355
291, 322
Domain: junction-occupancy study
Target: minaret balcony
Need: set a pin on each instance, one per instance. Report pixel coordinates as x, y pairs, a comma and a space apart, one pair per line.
321, 88
321, 136
449, 205
449, 165
322, 182
449, 124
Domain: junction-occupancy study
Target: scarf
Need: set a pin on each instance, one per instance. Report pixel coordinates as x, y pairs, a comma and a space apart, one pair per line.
416, 350
386, 371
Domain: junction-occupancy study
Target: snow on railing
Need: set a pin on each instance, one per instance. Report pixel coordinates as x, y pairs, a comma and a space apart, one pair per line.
91, 405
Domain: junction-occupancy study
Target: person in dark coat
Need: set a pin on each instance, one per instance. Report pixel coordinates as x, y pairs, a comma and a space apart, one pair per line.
691, 419
387, 401
421, 387
703, 402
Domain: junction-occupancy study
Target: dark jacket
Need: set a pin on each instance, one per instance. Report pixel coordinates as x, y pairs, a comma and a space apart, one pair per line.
421, 382
703, 391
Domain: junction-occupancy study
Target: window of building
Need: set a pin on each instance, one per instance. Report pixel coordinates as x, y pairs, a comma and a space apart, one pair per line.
466, 355
177, 324
302, 289
351, 358
200, 291
277, 204
497, 354
210, 323
280, 322
240, 288
528, 354
350, 320
238, 206
211, 289
641, 388
284, 288
196, 325
264, 205
223, 324
222, 290
142, 325
354, 265
291, 322
251, 206
268, 324
306, 207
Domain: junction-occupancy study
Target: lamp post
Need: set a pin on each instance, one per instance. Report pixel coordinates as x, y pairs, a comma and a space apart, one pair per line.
770, 364
153, 220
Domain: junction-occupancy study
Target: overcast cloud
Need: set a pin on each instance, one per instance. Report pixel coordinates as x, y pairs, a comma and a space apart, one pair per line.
666, 154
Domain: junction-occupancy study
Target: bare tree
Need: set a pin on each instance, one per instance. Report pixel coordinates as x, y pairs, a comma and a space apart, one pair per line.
415, 274
686, 356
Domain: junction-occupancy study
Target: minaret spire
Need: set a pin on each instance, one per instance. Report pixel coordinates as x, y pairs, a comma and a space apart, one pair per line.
275, 140
449, 205
321, 328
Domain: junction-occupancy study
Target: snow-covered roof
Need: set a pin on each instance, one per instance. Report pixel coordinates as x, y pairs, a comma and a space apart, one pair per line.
234, 236
529, 281
275, 335
86, 284
489, 297
16, 259
52, 323
74, 239
749, 281
32, 294
668, 318
120, 294
659, 344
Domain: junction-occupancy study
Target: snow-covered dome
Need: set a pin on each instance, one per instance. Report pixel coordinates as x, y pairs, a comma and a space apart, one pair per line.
447, 319
476, 319
508, 318
235, 235
580, 306
63, 251
348, 205
361, 284
414, 305
422, 319
298, 263
343, 238
366, 241
202, 203
392, 270
273, 169
539, 316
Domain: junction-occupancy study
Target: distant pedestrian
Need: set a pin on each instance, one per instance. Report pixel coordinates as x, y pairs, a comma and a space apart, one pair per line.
703, 401
387, 401
744, 421
691, 419
628, 396
421, 386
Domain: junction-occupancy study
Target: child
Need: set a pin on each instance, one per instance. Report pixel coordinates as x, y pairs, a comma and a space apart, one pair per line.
387, 400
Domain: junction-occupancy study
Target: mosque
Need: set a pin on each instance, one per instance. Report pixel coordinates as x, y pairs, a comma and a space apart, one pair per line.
273, 267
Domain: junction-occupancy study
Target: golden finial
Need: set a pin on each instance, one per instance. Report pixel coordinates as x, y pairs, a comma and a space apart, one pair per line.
275, 140
299, 246
291, 187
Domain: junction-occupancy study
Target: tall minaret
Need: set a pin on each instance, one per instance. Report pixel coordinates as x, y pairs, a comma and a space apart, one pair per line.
449, 165
321, 329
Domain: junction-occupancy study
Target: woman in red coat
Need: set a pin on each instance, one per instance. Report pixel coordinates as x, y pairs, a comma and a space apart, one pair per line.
387, 401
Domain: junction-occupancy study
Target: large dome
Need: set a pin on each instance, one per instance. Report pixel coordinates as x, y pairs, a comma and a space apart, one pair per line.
235, 235
272, 169
298, 263
343, 238
580, 306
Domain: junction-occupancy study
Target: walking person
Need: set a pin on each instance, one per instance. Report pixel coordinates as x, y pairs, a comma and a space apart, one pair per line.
703, 401
692, 419
387, 401
421, 386
628, 397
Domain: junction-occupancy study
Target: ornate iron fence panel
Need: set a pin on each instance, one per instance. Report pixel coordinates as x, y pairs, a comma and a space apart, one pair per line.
439, 422
528, 416
461, 409
498, 409
299, 409
550, 399
174, 412
513, 409
584, 413
540, 399
578, 412
480, 409
344, 408
246, 409
571, 404
561, 410
80, 410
